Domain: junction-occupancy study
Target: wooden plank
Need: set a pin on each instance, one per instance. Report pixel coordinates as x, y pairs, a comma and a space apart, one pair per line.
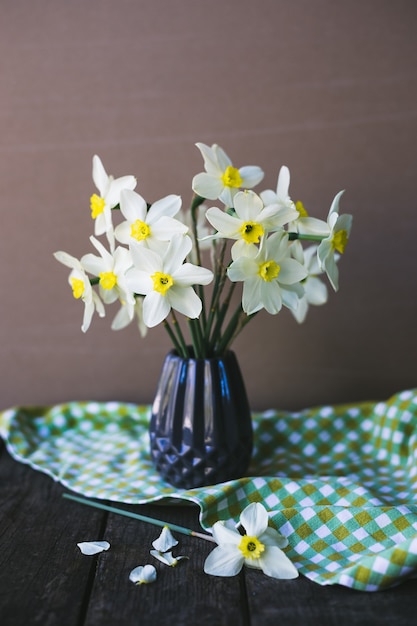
303, 602
43, 576
181, 595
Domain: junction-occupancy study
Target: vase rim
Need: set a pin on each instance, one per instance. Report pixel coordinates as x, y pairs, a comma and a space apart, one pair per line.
174, 353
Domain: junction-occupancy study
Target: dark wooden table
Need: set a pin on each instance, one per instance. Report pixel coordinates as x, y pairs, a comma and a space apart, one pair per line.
45, 580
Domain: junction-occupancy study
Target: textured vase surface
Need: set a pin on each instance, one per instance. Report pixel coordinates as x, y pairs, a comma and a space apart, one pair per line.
201, 425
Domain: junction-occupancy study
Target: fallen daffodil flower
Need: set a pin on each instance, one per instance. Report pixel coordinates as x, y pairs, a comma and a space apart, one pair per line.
143, 575
167, 558
93, 547
163, 546
260, 547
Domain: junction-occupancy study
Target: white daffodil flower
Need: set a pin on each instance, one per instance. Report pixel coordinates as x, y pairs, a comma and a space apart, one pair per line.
166, 281
339, 232
110, 268
165, 541
281, 195
271, 278
93, 547
302, 222
143, 575
167, 558
109, 189
221, 180
81, 288
251, 221
148, 227
315, 291
259, 548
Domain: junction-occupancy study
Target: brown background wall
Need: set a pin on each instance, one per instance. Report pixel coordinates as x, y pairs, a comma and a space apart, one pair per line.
328, 88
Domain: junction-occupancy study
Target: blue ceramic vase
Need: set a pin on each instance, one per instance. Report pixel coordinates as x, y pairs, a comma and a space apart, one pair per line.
201, 424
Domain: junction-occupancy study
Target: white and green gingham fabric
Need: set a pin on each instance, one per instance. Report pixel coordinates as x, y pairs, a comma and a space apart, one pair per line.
339, 481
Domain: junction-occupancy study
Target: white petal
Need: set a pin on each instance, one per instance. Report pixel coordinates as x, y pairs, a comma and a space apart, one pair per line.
271, 296
94, 264
225, 224
254, 519
168, 206
222, 159
335, 204
299, 310
165, 541
67, 259
227, 195
185, 301
207, 186
247, 205
189, 274
268, 197
122, 232
211, 163
226, 533
100, 178
123, 317
332, 271
93, 547
139, 282
165, 227
242, 268
156, 308
316, 291
116, 187
251, 297
283, 183
291, 272
88, 316
179, 247
312, 226
276, 564
132, 206
272, 537
167, 558
291, 296
143, 574
251, 175
144, 259
226, 560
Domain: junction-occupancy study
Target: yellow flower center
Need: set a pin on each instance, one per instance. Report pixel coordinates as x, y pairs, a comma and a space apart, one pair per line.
300, 208
251, 232
139, 230
108, 280
339, 241
97, 205
231, 177
251, 547
77, 287
162, 282
269, 270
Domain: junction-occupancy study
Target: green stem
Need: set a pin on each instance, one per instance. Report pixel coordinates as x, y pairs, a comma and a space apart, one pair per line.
230, 330
195, 204
174, 339
142, 518
184, 350
196, 337
241, 323
221, 314
293, 236
217, 291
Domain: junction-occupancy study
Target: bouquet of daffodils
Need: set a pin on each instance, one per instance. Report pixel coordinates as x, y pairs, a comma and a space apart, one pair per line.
151, 261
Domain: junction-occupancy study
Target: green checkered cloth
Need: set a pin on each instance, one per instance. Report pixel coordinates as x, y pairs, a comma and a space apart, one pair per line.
339, 481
